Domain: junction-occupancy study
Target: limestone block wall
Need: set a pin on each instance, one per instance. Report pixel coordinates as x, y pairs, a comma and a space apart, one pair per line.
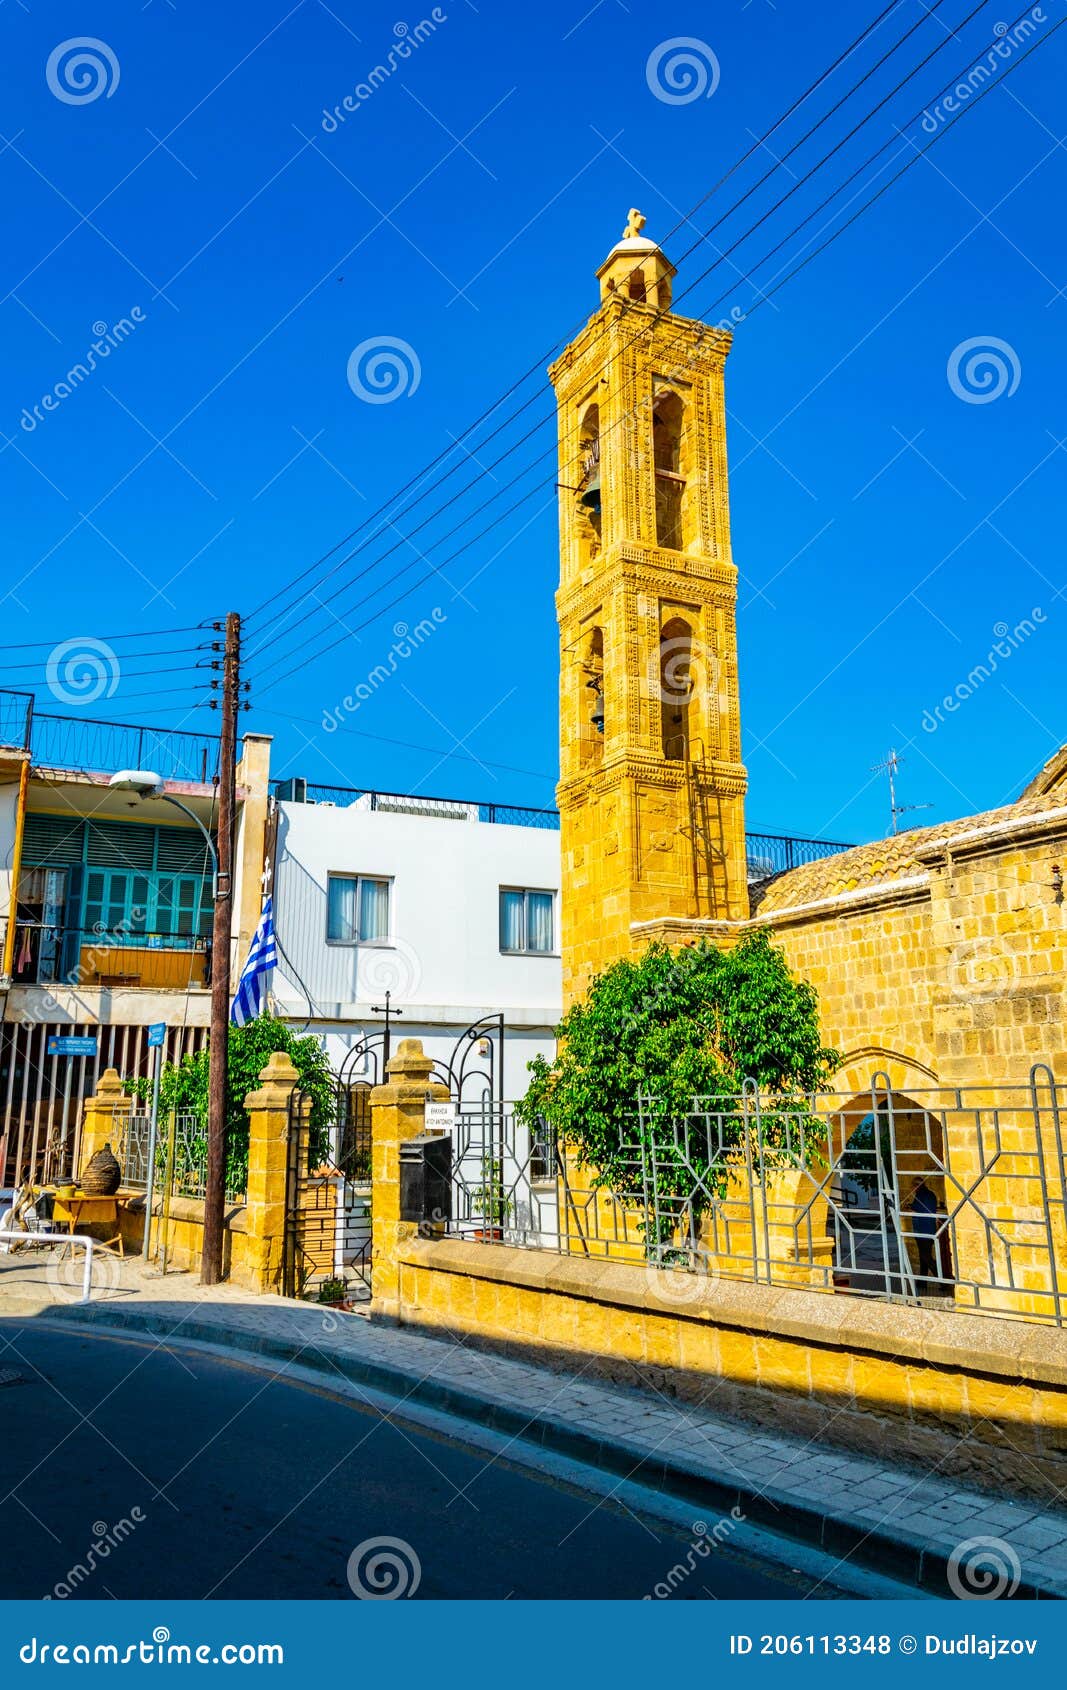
877, 972
983, 1398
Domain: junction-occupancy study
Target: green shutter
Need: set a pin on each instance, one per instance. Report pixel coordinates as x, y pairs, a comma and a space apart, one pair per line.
182, 851
52, 841
120, 845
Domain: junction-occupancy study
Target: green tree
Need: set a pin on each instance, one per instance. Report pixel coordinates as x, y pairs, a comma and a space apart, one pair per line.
184, 1087
654, 1035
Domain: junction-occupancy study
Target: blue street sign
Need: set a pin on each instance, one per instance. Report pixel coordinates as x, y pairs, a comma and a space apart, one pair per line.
72, 1046
157, 1034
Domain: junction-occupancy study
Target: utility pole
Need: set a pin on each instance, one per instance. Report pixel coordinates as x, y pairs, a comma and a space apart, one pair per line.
215, 1186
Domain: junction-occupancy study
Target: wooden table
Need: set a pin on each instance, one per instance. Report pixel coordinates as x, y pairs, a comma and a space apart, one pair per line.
93, 1211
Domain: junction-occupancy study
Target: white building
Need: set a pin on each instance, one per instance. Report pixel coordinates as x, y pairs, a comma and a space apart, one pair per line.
450, 907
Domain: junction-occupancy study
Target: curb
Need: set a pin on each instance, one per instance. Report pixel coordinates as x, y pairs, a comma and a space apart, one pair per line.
902, 1555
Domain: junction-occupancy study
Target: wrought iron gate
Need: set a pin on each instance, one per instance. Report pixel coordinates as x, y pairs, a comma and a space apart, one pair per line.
327, 1253
327, 1204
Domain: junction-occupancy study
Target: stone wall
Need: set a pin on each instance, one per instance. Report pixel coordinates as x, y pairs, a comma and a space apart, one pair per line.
938, 954
982, 1398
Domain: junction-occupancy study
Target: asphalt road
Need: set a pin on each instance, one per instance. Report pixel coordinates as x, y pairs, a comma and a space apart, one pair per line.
198, 1477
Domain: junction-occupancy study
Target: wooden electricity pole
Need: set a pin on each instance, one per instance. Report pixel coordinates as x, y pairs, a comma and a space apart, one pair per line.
215, 1186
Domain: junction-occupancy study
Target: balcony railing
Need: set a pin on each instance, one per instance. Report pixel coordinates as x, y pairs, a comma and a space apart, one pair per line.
296, 791
16, 719
769, 854
42, 953
84, 743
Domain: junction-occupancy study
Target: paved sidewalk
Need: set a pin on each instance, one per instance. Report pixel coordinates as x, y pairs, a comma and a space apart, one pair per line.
904, 1523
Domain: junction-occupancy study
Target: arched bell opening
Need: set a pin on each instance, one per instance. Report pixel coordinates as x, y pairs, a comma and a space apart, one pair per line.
677, 688
591, 699
589, 484
668, 424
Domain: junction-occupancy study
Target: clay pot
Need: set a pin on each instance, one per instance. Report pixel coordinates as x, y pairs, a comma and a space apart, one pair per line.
101, 1176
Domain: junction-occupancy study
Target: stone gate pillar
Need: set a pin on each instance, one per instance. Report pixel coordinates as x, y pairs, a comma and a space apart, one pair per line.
104, 1118
398, 1112
268, 1155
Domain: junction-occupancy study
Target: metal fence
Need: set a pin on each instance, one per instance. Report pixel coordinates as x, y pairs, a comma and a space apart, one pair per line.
768, 854
946, 1197
16, 717
181, 1153
84, 742
295, 790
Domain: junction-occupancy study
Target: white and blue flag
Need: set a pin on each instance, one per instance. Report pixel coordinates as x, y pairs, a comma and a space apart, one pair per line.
262, 957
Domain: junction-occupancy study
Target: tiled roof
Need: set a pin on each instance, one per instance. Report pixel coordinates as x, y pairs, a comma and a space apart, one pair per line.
885, 861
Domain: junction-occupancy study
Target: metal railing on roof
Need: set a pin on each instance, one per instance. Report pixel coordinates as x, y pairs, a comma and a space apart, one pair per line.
16, 718
769, 854
86, 742
297, 791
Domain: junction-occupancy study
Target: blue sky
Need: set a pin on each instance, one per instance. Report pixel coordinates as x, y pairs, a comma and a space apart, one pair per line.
890, 518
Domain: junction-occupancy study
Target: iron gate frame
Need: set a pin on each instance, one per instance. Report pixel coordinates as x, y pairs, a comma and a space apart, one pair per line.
320, 1211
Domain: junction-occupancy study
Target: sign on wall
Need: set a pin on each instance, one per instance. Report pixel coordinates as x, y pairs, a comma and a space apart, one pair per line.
60, 1045
440, 1117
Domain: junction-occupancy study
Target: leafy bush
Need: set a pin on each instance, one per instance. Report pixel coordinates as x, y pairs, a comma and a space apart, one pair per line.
651, 1037
184, 1087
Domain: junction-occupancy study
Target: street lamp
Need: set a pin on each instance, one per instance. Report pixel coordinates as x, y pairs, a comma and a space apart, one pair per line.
145, 783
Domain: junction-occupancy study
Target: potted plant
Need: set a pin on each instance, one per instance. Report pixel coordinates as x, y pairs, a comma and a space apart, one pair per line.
333, 1293
489, 1202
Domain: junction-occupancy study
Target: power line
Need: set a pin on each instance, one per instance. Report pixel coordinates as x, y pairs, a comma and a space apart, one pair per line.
146, 634
766, 295
538, 365
409, 745
549, 416
179, 669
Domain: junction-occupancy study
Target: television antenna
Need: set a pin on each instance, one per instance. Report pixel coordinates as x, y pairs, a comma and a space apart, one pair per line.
891, 767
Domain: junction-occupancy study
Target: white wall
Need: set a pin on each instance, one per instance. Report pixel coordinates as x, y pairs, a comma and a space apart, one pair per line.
443, 965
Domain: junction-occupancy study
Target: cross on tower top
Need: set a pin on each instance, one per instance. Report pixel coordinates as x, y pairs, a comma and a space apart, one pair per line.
634, 226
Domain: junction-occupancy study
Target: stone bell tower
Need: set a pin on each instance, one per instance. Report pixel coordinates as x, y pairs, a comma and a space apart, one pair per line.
651, 791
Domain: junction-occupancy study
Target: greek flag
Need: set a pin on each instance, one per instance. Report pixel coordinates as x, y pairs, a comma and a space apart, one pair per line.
262, 957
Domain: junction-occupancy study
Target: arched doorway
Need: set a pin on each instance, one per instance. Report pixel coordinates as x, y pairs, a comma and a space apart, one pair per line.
887, 1213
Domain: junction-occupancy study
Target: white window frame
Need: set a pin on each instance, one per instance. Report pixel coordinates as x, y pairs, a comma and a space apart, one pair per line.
540, 891
388, 943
